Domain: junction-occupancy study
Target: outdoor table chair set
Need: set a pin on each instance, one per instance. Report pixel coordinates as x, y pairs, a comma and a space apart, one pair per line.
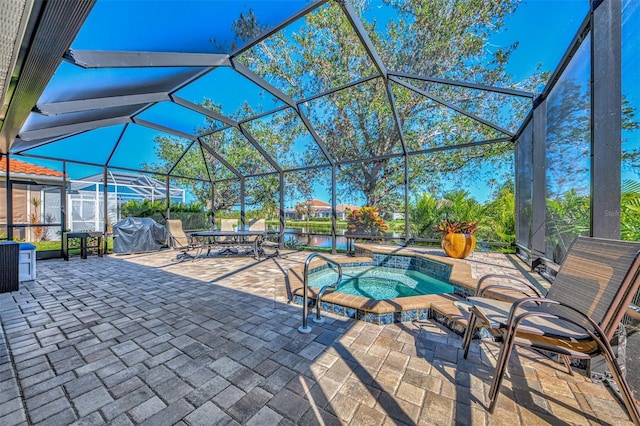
226, 241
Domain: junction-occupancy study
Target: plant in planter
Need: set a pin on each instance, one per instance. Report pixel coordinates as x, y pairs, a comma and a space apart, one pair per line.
458, 240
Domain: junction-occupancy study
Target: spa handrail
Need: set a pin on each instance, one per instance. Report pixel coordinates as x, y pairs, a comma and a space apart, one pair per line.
304, 328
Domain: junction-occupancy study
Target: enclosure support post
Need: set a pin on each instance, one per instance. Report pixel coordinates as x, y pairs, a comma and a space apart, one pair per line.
242, 195
281, 215
105, 208
538, 194
63, 202
213, 203
407, 235
167, 198
333, 209
9, 201
606, 116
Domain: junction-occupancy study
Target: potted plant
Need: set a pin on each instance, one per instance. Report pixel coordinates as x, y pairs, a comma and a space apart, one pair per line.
458, 240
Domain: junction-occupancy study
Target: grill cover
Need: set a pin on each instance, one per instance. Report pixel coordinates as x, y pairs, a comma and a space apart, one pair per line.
138, 235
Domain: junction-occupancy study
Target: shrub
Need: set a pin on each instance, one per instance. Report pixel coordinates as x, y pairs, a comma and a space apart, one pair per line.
366, 221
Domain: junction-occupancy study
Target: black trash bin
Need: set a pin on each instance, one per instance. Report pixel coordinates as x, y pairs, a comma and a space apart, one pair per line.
9, 266
138, 235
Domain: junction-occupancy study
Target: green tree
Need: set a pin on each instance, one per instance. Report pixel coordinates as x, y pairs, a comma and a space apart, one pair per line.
567, 217
434, 38
498, 222
424, 215
304, 210
630, 211
458, 205
202, 162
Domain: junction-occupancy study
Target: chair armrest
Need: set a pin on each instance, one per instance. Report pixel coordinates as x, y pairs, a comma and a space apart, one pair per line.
481, 290
515, 318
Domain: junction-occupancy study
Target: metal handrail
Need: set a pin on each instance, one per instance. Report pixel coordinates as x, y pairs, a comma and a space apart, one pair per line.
304, 328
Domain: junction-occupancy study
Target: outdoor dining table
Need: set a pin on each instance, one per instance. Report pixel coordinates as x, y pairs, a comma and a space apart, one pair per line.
226, 240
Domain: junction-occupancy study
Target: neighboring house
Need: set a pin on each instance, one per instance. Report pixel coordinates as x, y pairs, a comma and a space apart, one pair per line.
317, 209
342, 210
312, 209
35, 199
290, 214
85, 197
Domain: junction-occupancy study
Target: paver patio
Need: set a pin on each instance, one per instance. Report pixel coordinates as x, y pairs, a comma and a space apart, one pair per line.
140, 339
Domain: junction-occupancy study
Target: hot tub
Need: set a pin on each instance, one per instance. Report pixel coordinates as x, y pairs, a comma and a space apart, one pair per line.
395, 287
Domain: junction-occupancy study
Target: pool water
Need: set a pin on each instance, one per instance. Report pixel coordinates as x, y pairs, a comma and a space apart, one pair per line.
380, 283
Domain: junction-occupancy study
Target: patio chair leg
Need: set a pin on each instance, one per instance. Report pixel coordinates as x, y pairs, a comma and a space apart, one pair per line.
623, 385
501, 368
567, 363
468, 334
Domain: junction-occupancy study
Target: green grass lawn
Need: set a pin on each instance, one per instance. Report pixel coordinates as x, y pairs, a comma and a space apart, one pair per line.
57, 245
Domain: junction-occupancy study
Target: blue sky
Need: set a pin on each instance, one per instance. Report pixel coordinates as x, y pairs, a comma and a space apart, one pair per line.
543, 29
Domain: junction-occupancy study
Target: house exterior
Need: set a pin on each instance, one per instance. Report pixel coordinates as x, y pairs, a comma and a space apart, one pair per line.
85, 197
37, 199
35, 202
318, 209
312, 209
342, 210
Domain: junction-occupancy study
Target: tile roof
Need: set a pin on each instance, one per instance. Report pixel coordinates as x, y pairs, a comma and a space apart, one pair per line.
317, 203
343, 207
17, 166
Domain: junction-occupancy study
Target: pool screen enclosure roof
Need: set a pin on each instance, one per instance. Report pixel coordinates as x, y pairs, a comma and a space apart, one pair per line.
164, 73
233, 96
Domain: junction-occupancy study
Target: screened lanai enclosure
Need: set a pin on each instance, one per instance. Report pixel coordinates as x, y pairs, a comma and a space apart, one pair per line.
253, 107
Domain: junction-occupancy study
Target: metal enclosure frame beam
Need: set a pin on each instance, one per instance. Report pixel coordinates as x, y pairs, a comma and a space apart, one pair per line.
131, 59
175, 163
221, 159
476, 86
73, 128
361, 32
451, 106
57, 27
164, 129
204, 111
259, 148
80, 105
310, 8
259, 81
253, 77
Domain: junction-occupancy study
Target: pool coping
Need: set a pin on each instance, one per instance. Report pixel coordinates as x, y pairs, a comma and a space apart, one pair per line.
391, 310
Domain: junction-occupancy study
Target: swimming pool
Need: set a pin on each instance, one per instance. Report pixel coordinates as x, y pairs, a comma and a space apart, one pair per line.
380, 282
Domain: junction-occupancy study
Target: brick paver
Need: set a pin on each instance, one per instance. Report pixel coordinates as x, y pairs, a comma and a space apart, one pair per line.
141, 339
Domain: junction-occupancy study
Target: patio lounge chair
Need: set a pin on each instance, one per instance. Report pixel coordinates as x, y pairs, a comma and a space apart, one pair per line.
261, 225
577, 318
228, 225
179, 241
